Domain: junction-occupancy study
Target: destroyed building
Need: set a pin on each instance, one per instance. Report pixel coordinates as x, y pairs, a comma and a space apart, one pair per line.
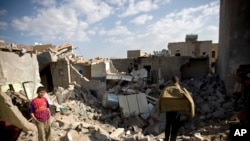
163, 67
102, 99
193, 47
19, 77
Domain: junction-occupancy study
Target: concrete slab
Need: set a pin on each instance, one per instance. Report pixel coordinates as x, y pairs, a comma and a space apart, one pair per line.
123, 103
142, 103
133, 104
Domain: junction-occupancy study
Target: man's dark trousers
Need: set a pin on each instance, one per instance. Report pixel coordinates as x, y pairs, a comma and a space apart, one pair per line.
172, 125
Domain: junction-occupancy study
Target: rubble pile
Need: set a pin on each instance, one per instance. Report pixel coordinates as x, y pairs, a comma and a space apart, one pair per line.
78, 115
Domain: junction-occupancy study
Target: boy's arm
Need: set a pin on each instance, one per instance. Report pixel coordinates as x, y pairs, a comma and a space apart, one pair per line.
32, 112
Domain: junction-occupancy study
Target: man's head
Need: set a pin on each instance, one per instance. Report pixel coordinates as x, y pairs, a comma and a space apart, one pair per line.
41, 91
175, 79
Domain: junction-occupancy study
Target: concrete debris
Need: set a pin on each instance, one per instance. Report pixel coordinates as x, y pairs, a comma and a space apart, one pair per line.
77, 114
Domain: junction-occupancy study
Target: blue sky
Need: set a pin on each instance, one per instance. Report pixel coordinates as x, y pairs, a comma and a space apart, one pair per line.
108, 28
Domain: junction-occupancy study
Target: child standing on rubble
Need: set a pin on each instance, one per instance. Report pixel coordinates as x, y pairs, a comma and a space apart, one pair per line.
39, 111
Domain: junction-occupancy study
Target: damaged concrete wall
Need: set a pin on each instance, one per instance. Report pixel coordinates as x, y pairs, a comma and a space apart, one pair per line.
196, 68
112, 68
168, 66
15, 68
60, 72
96, 85
234, 39
45, 58
83, 69
98, 71
122, 65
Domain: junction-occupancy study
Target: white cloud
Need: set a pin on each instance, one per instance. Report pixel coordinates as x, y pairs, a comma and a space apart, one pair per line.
3, 25
118, 22
78, 20
174, 27
208, 33
22, 24
117, 31
117, 2
142, 19
136, 7
93, 10
46, 3
3, 12
67, 20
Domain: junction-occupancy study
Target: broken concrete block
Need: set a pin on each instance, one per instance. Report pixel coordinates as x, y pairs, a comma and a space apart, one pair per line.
142, 103
117, 133
133, 105
73, 135
147, 138
11, 113
123, 103
198, 137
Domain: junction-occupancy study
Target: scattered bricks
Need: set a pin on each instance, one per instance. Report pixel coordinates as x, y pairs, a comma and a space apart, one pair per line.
117, 133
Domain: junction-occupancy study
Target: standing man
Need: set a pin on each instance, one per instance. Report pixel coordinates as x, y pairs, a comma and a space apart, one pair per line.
39, 111
174, 99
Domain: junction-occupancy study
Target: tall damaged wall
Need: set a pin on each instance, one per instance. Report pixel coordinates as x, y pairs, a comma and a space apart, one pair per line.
60, 72
234, 40
15, 68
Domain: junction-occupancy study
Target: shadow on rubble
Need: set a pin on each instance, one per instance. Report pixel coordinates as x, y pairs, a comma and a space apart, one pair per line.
213, 109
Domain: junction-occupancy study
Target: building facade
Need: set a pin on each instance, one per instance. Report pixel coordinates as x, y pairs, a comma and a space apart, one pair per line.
136, 53
192, 47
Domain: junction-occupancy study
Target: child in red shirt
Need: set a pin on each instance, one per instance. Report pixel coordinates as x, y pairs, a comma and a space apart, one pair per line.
39, 111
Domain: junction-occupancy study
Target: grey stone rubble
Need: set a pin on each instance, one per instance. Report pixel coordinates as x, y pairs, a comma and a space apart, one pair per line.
78, 115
